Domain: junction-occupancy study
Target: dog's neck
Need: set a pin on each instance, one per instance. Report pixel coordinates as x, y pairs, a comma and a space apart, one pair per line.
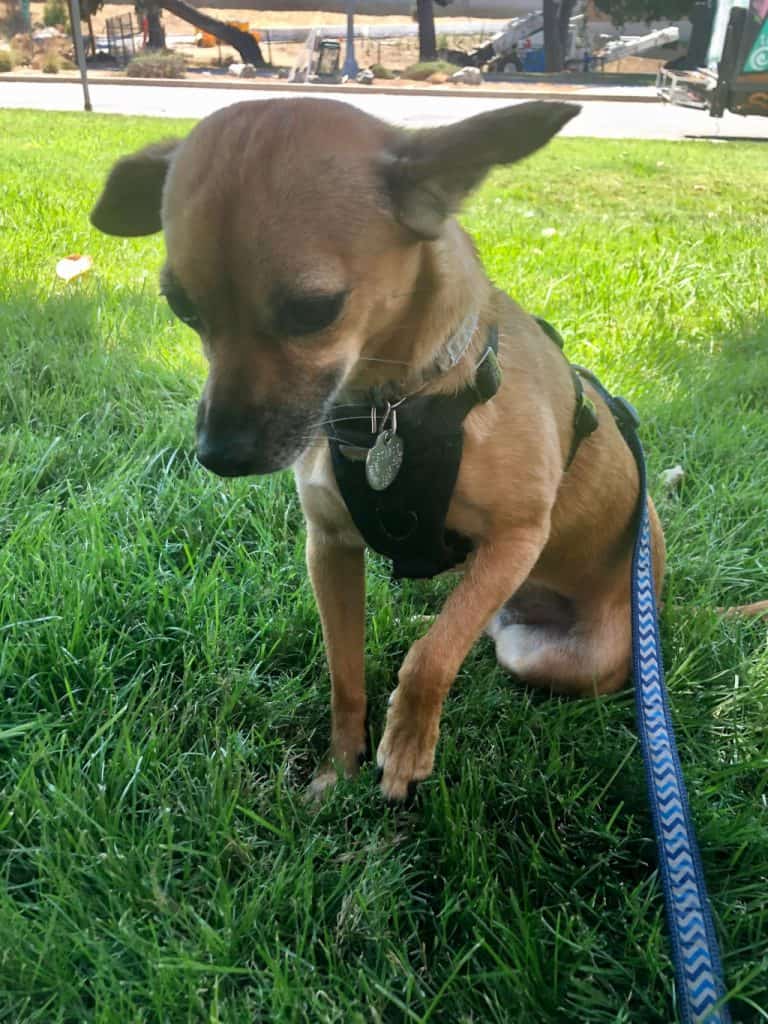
437, 340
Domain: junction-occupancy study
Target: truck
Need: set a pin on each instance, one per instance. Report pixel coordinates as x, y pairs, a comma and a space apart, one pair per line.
726, 66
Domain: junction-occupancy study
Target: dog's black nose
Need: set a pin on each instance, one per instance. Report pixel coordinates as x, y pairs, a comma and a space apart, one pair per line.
228, 438
226, 457
237, 439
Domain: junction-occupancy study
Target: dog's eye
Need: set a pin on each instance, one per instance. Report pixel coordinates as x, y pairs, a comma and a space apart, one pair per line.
184, 308
309, 313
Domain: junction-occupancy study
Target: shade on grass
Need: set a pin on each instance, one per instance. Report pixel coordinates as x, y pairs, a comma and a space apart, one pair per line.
165, 696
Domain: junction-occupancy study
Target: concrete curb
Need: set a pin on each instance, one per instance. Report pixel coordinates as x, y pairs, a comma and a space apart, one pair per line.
576, 95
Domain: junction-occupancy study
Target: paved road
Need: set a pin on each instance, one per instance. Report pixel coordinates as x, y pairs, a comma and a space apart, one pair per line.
614, 120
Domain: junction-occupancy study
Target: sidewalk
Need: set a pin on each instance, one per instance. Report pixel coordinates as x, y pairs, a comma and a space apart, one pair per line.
498, 90
603, 117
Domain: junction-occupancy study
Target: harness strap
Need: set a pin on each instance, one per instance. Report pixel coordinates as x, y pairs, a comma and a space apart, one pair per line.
405, 521
585, 419
695, 952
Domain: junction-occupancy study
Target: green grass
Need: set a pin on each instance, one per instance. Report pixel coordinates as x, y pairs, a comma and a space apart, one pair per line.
157, 65
421, 71
165, 695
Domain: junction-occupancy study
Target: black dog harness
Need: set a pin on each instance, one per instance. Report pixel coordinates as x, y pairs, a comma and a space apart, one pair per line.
400, 510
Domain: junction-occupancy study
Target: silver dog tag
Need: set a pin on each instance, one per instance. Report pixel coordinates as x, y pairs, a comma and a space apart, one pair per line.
384, 460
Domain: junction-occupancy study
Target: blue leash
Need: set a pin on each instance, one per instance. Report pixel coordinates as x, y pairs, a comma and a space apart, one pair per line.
695, 952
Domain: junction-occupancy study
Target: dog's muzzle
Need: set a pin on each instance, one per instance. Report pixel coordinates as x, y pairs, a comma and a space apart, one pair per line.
245, 441
236, 458
237, 436
243, 454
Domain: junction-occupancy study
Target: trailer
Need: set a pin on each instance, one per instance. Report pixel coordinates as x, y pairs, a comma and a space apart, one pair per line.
726, 67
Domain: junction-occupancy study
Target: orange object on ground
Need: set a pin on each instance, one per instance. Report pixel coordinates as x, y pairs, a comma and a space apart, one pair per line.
207, 39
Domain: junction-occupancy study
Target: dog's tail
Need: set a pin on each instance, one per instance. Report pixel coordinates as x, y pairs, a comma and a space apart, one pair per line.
759, 610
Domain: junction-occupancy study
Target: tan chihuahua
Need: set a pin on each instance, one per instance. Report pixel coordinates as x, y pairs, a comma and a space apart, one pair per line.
314, 249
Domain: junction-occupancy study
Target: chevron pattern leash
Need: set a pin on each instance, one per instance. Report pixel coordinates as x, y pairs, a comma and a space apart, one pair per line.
695, 952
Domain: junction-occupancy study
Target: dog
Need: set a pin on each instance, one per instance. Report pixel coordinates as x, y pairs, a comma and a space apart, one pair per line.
315, 250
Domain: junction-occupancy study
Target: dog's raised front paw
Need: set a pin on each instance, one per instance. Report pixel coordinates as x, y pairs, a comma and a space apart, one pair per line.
406, 753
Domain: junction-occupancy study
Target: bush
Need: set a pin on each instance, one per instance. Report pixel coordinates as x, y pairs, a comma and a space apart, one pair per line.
421, 72
55, 13
8, 60
379, 71
52, 64
156, 65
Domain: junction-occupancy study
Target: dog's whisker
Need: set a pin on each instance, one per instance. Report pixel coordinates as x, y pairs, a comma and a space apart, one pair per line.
342, 419
323, 437
376, 359
317, 442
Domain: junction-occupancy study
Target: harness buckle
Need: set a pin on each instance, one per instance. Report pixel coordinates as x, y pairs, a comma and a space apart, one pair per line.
625, 414
488, 373
585, 421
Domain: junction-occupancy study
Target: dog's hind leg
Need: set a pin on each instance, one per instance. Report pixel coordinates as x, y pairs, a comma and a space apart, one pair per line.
546, 642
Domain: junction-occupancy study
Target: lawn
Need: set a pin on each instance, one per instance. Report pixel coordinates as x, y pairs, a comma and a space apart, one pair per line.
165, 696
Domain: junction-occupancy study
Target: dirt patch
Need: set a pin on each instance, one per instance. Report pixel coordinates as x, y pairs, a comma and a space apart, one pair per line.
392, 53
635, 65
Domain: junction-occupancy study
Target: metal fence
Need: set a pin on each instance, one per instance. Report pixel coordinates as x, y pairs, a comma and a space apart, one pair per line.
121, 38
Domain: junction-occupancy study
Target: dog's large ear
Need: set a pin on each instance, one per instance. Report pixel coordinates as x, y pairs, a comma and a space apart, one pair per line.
132, 197
428, 173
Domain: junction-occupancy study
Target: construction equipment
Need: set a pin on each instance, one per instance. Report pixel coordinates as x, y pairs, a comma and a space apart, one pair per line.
634, 46
318, 61
726, 67
516, 47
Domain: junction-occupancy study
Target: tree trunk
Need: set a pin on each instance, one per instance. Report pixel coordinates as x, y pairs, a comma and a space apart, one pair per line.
553, 47
91, 35
156, 33
557, 16
426, 19
243, 42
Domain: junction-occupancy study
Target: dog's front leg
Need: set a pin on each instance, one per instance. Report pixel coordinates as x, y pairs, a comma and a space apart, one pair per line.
338, 579
407, 749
